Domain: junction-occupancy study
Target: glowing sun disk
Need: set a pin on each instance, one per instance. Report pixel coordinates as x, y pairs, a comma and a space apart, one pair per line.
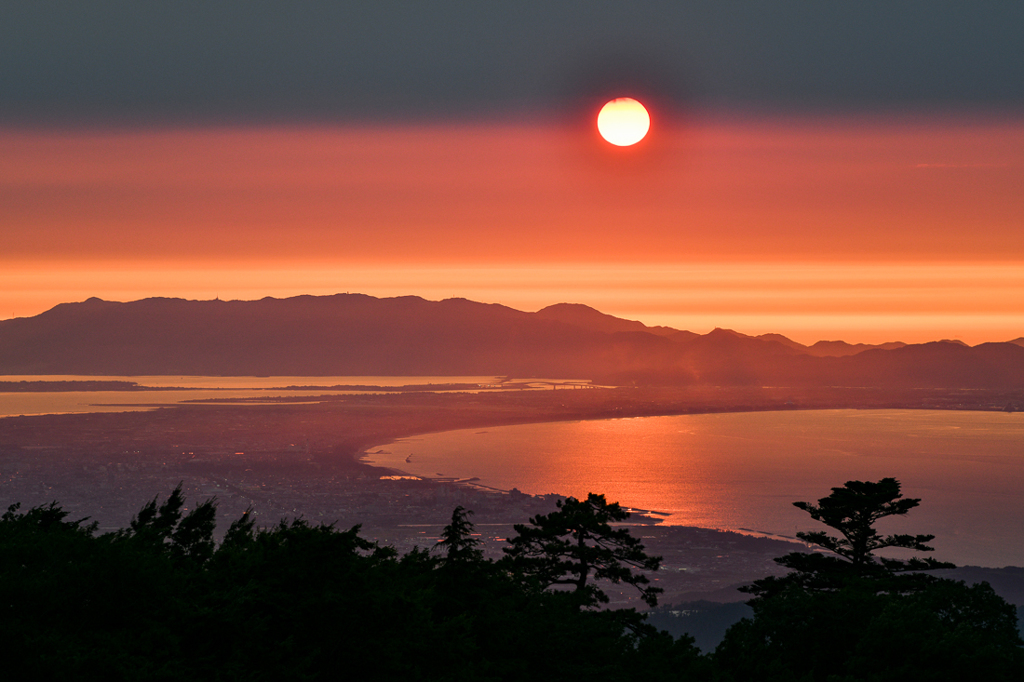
623, 121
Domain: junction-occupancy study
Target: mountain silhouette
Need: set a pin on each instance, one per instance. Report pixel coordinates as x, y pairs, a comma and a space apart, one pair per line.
841, 348
355, 334
585, 317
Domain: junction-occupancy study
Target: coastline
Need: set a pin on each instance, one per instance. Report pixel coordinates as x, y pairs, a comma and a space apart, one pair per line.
290, 460
574, 458
624, 403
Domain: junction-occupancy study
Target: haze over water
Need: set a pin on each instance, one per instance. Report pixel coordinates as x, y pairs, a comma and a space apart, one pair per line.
744, 470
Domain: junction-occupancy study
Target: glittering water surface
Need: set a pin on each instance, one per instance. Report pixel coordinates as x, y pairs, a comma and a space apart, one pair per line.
744, 470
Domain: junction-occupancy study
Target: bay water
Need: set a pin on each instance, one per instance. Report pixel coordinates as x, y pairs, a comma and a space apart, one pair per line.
743, 471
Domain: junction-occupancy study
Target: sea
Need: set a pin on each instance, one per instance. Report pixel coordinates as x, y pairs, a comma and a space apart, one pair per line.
743, 471
165, 391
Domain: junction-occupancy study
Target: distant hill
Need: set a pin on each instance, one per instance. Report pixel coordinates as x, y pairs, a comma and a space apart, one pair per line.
354, 334
585, 317
840, 349
824, 349
827, 349
785, 341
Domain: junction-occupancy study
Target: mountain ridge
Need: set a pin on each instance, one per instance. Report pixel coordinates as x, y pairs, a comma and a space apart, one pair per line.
357, 334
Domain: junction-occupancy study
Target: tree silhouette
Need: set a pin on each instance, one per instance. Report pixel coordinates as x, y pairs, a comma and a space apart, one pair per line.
853, 510
187, 536
575, 545
457, 541
850, 615
300, 601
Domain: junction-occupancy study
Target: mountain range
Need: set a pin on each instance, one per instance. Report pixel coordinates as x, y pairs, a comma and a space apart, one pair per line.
359, 335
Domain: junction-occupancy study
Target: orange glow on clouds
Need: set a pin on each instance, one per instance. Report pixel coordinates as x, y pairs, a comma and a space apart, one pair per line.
866, 230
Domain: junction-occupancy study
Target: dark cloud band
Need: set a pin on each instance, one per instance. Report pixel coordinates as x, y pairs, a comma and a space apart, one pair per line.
71, 61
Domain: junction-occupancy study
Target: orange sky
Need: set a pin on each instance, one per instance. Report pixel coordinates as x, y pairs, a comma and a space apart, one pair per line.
864, 229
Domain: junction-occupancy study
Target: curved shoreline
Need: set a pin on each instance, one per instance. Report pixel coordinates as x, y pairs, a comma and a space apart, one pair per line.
980, 404
285, 445
570, 460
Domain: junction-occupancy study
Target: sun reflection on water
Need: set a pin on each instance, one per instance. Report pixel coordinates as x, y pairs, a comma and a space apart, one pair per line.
744, 470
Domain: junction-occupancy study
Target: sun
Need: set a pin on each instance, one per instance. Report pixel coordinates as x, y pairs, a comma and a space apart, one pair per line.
623, 121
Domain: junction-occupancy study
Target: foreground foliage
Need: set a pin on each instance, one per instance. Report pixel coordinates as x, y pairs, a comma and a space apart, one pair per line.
576, 544
849, 615
161, 600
